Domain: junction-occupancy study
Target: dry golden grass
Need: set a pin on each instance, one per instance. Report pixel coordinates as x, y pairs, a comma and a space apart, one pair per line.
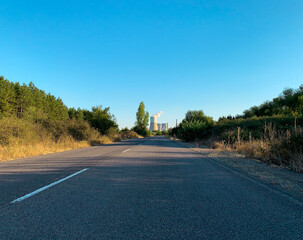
20, 138
130, 134
256, 148
265, 151
101, 140
18, 149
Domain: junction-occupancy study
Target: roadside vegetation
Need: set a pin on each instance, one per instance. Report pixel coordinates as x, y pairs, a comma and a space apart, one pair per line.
34, 122
271, 132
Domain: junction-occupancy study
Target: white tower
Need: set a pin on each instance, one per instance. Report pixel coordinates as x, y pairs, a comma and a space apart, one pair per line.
153, 124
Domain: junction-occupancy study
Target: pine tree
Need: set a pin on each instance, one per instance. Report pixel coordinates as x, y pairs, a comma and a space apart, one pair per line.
7, 97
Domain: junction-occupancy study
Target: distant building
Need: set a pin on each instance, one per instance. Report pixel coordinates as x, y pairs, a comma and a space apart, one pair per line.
153, 124
164, 126
160, 127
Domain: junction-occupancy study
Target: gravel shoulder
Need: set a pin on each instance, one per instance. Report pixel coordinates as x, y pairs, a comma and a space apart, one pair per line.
282, 179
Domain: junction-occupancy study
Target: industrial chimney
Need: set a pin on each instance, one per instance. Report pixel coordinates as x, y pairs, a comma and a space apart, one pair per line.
153, 123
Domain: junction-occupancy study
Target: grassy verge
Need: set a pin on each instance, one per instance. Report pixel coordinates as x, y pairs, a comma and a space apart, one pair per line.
274, 140
21, 150
270, 152
21, 138
282, 148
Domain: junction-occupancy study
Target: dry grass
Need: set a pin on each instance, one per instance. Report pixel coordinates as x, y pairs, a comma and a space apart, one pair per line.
254, 149
283, 148
265, 150
102, 140
297, 162
20, 138
130, 134
20, 150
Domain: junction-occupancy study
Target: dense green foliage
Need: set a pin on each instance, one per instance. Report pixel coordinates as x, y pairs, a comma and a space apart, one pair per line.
142, 121
289, 103
33, 122
254, 127
98, 118
283, 112
29, 102
32, 104
198, 116
272, 131
193, 126
191, 130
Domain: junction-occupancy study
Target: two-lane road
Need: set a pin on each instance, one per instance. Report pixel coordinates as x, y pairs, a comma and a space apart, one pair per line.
140, 189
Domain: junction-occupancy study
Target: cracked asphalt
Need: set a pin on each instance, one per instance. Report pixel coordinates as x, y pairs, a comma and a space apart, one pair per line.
157, 189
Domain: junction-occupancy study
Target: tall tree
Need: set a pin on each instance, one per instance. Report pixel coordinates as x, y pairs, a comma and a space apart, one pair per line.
7, 97
23, 99
142, 120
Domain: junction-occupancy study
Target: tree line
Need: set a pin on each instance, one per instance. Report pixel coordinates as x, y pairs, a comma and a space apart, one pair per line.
31, 103
271, 131
288, 103
281, 111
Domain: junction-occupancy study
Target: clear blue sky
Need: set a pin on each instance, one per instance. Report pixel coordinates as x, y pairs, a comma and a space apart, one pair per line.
218, 56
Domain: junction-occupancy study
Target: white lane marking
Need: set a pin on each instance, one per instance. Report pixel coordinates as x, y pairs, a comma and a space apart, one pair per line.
46, 187
126, 150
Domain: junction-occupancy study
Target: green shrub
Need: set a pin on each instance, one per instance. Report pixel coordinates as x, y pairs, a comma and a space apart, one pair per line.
191, 130
81, 130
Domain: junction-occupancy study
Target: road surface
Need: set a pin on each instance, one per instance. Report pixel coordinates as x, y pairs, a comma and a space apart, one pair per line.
150, 188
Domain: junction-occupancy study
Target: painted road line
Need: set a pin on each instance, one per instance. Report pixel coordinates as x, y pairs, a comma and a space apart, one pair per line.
126, 150
46, 187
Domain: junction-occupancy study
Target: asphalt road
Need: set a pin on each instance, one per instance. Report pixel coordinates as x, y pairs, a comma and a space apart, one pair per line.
140, 189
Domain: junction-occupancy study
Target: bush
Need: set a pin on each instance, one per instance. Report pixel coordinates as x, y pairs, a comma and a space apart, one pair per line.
271, 139
143, 132
191, 130
15, 128
81, 130
127, 134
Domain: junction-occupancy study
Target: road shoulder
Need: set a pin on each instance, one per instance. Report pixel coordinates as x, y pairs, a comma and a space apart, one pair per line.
279, 178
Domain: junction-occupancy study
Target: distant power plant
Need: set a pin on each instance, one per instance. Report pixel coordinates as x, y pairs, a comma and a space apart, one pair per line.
162, 126
155, 126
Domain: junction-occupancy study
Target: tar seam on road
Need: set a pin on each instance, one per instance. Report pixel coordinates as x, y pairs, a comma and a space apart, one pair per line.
46, 187
126, 150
